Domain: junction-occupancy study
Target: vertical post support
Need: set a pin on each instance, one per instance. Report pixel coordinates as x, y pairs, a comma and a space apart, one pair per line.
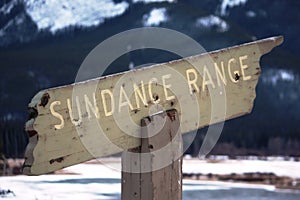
154, 170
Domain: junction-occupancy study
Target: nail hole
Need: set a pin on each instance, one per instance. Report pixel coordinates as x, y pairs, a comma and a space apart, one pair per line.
136, 110
149, 119
237, 77
150, 146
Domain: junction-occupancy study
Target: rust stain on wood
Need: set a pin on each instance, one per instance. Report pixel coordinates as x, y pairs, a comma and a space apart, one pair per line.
44, 100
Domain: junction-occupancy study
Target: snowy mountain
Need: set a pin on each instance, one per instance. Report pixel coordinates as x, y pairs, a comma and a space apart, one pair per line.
24, 17
27, 18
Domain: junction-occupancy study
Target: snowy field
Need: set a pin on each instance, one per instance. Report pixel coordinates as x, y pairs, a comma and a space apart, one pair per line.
102, 181
278, 167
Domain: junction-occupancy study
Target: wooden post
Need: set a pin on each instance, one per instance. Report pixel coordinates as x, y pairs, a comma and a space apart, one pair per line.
154, 170
131, 176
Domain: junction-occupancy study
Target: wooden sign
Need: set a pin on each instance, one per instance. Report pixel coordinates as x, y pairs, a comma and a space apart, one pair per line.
100, 117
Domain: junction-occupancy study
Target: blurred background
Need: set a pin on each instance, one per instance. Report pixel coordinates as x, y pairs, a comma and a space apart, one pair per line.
43, 43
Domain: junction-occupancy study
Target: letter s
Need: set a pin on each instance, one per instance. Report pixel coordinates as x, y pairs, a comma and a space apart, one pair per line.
57, 115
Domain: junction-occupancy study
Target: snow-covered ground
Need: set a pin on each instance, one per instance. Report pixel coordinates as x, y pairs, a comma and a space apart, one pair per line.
94, 180
278, 167
193, 165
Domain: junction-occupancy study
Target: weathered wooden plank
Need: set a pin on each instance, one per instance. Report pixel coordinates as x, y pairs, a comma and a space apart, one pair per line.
100, 117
